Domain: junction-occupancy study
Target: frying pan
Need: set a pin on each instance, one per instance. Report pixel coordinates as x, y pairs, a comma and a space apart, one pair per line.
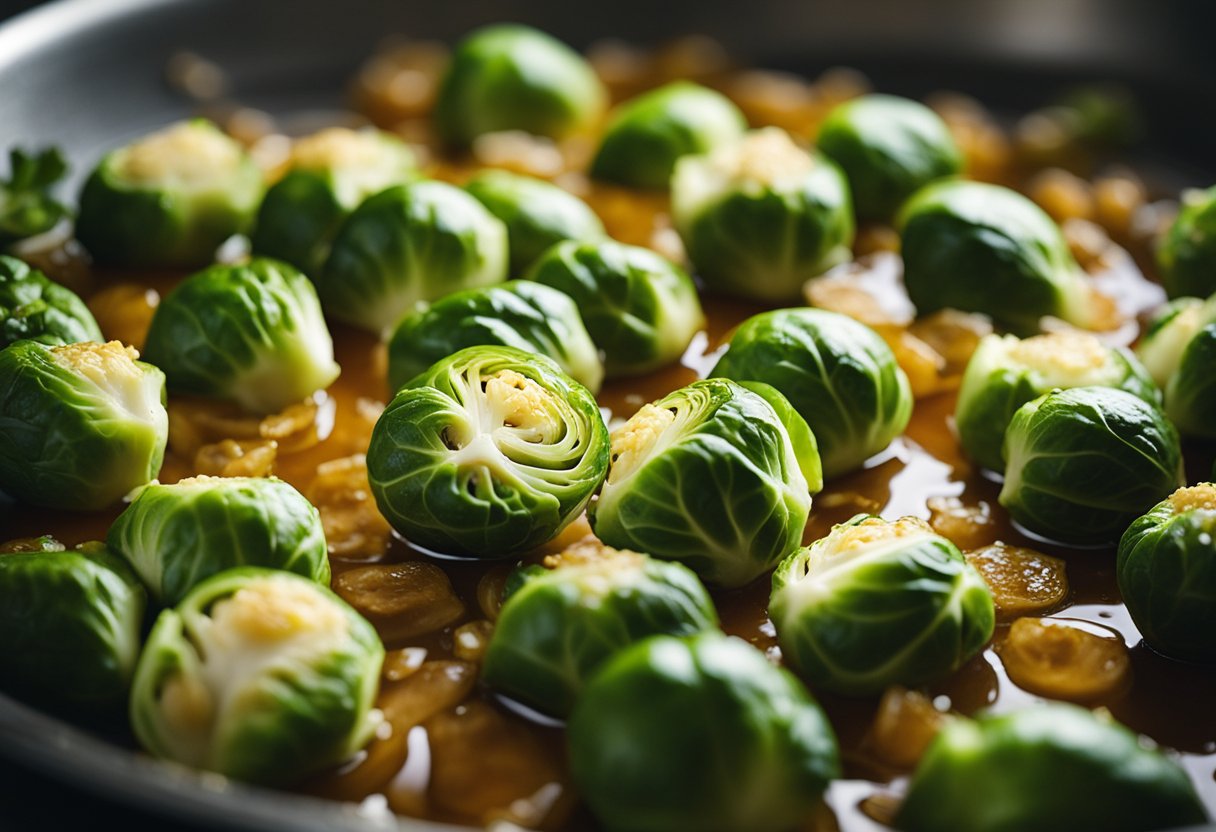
88, 75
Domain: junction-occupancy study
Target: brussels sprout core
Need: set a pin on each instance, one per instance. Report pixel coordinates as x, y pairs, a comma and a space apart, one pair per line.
1171, 331
361, 161
636, 440
85, 423
181, 156
937, 611
765, 158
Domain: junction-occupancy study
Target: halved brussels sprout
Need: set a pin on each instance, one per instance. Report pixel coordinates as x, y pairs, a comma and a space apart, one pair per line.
1179, 351
641, 309
1167, 574
559, 625
26, 206
169, 199
253, 334
839, 375
175, 536
70, 626
407, 244
936, 610
260, 675
1081, 464
1187, 254
330, 173
512, 77
761, 216
489, 453
519, 313
34, 307
1004, 373
888, 147
985, 248
1050, 768
717, 475
699, 733
647, 134
538, 214
83, 424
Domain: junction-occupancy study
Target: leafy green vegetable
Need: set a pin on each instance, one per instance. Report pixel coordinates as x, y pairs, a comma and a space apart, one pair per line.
34, 307
83, 424
936, 610
489, 453
175, 536
26, 205
699, 733
717, 475
839, 375
1187, 253
1178, 349
260, 675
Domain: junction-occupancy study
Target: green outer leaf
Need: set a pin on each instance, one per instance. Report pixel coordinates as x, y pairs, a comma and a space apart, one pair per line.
699, 733
647, 134
641, 309
561, 625
911, 612
34, 307
726, 495
126, 225
497, 495
407, 244
305, 711
1051, 768
985, 248
1167, 577
1187, 254
992, 391
538, 214
1190, 394
175, 536
758, 242
26, 207
888, 148
67, 443
513, 77
520, 314
1082, 464
70, 626
253, 334
839, 375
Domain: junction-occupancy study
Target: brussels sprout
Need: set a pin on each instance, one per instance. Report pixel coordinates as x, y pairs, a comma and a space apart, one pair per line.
699, 733
559, 625
489, 453
330, 173
512, 77
760, 216
260, 675
537, 214
1179, 350
984, 248
649, 133
520, 314
888, 148
1081, 464
839, 375
252, 334
718, 475
1004, 373
1187, 254
1167, 574
34, 307
1052, 767
70, 627
83, 424
26, 206
407, 244
641, 309
936, 610
175, 536
169, 199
